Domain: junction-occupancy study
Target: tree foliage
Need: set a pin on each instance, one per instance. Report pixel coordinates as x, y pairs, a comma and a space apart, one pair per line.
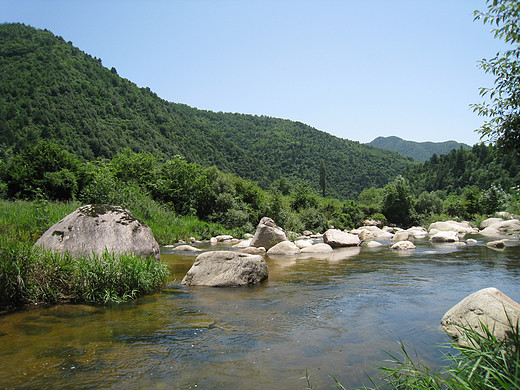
503, 109
397, 202
52, 91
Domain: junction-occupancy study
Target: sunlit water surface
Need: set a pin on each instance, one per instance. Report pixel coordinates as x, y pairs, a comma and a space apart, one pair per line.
333, 316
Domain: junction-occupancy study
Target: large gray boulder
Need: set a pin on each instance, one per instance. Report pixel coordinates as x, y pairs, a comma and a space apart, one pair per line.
99, 228
336, 238
226, 269
489, 307
268, 234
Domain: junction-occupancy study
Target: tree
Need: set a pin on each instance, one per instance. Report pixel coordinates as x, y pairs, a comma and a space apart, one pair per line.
503, 127
323, 178
397, 202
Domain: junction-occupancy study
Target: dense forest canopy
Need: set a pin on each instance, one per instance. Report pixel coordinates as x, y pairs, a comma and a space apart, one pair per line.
52, 91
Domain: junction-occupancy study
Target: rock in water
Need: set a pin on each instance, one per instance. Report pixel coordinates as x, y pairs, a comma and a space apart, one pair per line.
403, 245
284, 248
318, 248
226, 269
96, 228
445, 236
336, 238
403, 235
511, 226
490, 307
496, 244
268, 234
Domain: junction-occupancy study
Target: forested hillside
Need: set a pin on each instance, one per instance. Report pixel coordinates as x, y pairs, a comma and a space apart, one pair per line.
419, 151
52, 91
479, 167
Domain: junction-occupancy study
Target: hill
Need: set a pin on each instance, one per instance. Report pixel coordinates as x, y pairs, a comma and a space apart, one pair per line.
419, 151
478, 167
51, 90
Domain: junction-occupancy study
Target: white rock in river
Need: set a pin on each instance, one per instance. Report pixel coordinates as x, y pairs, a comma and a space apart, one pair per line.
284, 248
445, 236
268, 234
318, 248
403, 245
226, 269
336, 238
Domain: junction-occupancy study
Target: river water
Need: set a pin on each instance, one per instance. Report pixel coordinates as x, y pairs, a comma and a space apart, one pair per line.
333, 316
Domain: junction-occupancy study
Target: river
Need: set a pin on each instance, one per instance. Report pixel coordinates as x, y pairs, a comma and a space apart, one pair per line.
333, 316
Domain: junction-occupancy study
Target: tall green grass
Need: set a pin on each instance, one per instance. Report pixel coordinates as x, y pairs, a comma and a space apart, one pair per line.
33, 275
29, 220
486, 363
168, 227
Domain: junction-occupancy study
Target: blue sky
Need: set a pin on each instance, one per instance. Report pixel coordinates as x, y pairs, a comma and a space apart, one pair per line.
355, 69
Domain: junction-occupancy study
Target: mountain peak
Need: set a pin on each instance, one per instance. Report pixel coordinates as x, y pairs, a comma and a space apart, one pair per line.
420, 151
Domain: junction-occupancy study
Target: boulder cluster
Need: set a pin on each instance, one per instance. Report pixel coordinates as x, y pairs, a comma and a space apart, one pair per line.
93, 229
271, 240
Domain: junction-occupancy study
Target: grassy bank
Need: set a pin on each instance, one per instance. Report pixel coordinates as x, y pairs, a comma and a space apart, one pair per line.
28, 220
33, 275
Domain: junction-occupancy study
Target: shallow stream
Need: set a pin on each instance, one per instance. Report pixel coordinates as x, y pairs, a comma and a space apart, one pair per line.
333, 316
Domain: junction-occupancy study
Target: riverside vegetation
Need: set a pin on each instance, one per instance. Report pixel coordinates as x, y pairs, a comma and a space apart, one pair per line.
33, 275
41, 184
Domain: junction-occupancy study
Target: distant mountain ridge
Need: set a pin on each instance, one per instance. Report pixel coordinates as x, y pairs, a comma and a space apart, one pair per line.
419, 151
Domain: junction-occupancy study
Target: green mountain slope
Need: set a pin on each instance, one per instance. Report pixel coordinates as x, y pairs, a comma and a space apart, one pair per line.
50, 90
419, 151
480, 166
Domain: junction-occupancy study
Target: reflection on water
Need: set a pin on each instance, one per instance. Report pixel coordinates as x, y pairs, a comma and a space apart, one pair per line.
332, 315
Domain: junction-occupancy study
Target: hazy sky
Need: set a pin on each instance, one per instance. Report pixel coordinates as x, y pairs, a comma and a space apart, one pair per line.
355, 69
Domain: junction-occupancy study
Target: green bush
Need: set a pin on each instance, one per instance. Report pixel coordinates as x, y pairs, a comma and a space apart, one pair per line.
494, 199
313, 219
